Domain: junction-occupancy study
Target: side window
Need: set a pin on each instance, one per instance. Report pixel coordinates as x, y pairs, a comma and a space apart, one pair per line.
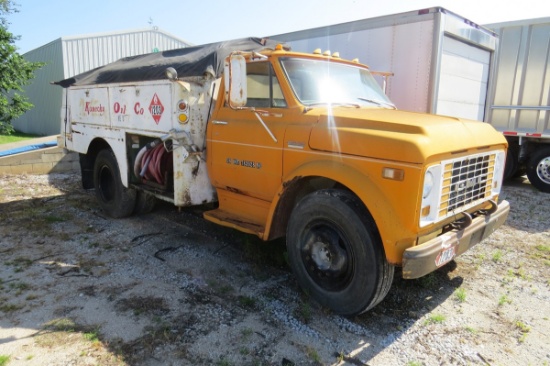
263, 87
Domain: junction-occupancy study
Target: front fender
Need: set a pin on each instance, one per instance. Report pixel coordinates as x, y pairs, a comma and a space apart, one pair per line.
393, 223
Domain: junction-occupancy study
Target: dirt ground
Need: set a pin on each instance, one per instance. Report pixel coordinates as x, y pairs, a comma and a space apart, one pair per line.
169, 288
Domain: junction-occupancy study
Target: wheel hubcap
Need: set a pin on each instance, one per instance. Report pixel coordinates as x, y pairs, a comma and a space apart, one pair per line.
326, 257
543, 170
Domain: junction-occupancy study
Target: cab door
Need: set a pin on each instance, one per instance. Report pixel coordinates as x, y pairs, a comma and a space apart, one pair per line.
245, 158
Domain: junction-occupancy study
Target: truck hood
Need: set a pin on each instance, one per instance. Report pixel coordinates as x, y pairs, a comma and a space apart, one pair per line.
398, 135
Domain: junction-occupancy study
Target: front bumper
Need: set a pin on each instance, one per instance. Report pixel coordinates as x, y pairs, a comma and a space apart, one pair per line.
429, 256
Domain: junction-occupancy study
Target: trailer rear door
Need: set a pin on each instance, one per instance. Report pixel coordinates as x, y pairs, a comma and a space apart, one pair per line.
463, 80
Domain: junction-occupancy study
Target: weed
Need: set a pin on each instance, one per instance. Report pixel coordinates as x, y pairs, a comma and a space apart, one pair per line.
435, 319
61, 325
504, 300
414, 363
497, 256
247, 302
4, 360
140, 305
312, 354
460, 294
304, 312
246, 333
524, 328
428, 281
470, 329
10, 308
223, 362
543, 248
92, 336
53, 219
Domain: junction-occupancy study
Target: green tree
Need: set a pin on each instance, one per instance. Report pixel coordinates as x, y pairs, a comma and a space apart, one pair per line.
15, 72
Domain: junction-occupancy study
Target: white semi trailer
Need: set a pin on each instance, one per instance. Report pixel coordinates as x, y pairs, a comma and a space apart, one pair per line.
518, 102
440, 62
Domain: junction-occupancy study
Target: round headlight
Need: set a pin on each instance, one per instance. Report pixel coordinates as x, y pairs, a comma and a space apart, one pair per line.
428, 184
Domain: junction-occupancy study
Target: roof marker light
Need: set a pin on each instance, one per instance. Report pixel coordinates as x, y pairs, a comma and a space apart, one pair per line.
326, 53
317, 51
336, 55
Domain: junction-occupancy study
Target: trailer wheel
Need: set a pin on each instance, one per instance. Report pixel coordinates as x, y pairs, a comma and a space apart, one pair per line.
538, 169
115, 199
335, 251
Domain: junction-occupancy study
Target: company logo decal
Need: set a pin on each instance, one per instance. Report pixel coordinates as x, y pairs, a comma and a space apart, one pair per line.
93, 108
156, 108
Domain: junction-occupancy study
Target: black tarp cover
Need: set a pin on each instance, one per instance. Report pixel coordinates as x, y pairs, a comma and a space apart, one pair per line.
190, 61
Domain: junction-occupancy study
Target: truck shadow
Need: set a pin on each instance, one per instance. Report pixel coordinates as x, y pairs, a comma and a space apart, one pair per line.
527, 205
231, 277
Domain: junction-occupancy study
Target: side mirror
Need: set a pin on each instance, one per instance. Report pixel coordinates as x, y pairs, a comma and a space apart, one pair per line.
235, 80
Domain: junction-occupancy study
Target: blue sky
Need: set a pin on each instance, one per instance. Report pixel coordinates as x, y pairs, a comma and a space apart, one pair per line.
40, 22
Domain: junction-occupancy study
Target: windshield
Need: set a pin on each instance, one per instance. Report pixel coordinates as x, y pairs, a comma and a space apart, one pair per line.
324, 82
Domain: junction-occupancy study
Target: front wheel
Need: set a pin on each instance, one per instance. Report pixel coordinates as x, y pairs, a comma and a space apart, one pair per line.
538, 169
335, 252
116, 200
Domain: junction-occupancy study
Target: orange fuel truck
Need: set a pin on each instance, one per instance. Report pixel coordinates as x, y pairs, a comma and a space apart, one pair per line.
295, 145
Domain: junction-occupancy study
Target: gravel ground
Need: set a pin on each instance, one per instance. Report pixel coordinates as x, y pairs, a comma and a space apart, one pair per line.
169, 288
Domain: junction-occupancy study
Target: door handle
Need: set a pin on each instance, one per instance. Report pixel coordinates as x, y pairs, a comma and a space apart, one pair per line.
219, 122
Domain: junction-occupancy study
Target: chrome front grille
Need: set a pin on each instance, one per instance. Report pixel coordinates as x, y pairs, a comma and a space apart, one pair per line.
466, 182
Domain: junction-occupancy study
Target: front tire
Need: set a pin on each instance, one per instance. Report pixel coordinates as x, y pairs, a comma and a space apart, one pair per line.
335, 252
538, 169
116, 200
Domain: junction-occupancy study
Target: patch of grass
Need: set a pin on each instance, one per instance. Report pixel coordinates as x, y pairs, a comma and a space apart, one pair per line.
428, 281
4, 359
470, 329
53, 219
247, 302
223, 362
524, 329
497, 256
61, 325
414, 363
10, 308
460, 294
19, 287
504, 300
304, 312
543, 248
246, 333
435, 319
15, 137
92, 336
313, 355
144, 305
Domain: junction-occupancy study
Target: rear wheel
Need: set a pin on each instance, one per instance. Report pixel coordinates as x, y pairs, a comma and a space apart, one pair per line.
335, 252
538, 169
115, 199
145, 203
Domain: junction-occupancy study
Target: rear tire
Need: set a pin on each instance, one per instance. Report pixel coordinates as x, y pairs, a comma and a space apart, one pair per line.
336, 254
538, 169
145, 203
116, 200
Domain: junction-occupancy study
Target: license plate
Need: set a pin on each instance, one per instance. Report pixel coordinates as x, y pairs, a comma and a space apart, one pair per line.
445, 256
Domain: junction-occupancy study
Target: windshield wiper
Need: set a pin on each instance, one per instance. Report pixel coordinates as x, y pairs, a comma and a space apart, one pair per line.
377, 102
